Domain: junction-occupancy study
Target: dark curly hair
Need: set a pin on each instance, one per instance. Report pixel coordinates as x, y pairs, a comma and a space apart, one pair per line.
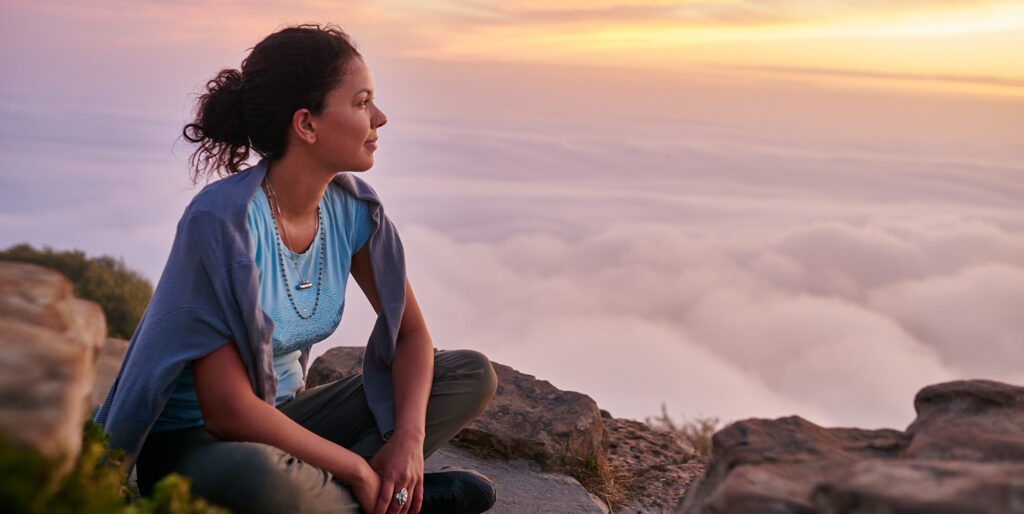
252, 109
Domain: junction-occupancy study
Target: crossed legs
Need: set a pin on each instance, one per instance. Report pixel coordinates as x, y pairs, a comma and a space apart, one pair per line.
255, 477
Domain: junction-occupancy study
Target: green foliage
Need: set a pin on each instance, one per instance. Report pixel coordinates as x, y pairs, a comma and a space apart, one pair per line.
122, 293
97, 484
697, 430
23, 473
171, 496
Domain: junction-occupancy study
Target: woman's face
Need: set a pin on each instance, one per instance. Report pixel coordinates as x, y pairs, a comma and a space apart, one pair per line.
347, 127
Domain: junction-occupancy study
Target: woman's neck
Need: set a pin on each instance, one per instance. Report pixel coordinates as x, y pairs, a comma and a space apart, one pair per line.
298, 185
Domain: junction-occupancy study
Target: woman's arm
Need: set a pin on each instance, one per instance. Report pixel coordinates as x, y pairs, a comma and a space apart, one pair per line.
400, 461
233, 412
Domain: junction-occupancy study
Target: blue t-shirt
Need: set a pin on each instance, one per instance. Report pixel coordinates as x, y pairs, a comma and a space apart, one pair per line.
347, 226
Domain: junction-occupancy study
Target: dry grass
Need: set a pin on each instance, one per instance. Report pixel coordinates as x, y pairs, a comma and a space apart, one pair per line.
697, 430
609, 483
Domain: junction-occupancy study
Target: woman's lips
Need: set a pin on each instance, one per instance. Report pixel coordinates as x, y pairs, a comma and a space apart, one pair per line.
371, 143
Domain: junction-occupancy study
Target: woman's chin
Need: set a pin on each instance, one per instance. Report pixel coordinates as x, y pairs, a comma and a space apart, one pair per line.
356, 167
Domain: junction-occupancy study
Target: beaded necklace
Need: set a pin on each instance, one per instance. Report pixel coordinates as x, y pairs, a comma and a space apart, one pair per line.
269, 191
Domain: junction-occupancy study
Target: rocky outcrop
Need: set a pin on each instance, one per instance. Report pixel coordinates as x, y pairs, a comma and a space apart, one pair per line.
48, 349
657, 464
923, 486
976, 420
963, 454
534, 420
622, 462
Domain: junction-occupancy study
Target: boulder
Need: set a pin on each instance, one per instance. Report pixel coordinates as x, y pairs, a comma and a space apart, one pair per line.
335, 364
977, 420
963, 454
531, 419
933, 487
49, 341
761, 465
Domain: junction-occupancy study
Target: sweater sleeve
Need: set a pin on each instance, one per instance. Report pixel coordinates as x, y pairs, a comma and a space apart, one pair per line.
199, 305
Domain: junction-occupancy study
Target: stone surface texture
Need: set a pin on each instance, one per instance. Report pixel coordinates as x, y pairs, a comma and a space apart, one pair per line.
522, 487
977, 420
334, 364
924, 486
963, 454
49, 342
659, 465
533, 420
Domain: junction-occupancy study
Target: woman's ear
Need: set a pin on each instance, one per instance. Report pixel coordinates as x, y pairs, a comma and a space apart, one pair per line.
304, 126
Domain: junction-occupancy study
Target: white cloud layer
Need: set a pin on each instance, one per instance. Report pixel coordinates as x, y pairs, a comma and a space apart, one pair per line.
729, 247
835, 322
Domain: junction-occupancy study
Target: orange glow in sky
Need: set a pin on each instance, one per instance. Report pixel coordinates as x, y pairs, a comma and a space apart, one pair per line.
970, 44
962, 44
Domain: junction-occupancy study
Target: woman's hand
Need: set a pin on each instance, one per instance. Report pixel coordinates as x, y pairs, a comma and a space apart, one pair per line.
366, 488
400, 465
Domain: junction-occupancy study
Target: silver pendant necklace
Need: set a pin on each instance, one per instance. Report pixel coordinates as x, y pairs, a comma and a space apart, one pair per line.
304, 284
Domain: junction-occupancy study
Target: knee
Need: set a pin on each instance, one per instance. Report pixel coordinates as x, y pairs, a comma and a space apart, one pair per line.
477, 372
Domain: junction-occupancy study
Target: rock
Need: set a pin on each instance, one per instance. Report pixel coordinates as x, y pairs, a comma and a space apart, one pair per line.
527, 418
977, 420
761, 465
934, 487
522, 488
533, 420
963, 454
49, 341
335, 364
107, 365
654, 466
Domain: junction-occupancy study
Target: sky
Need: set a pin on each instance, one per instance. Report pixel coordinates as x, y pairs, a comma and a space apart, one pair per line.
733, 208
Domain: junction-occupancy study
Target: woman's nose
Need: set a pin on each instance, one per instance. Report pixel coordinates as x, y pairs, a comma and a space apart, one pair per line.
380, 118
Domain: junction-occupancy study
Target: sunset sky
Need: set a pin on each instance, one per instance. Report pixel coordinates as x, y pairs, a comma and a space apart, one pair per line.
737, 208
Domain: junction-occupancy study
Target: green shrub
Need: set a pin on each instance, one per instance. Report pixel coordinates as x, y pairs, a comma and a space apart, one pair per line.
121, 292
97, 484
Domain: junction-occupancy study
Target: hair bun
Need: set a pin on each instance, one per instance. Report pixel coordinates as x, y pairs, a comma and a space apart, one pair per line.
221, 116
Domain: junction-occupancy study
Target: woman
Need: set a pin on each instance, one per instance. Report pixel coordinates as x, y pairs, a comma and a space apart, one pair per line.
212, 384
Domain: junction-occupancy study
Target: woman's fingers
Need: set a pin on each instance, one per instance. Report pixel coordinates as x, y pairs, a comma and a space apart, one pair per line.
416, 501
387, 491
403, 507
391, 504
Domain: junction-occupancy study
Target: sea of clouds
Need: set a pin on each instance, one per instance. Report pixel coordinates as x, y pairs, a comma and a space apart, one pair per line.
727, 245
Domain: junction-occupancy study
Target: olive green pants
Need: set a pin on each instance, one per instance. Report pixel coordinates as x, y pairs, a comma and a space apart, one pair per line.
259, 478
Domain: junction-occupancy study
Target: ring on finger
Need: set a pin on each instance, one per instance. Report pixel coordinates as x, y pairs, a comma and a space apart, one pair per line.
402, 496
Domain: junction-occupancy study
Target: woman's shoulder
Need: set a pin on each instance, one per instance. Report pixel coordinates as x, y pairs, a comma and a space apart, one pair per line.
227, 198
355, 187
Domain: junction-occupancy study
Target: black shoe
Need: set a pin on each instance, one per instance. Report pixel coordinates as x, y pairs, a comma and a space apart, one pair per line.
456, 491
